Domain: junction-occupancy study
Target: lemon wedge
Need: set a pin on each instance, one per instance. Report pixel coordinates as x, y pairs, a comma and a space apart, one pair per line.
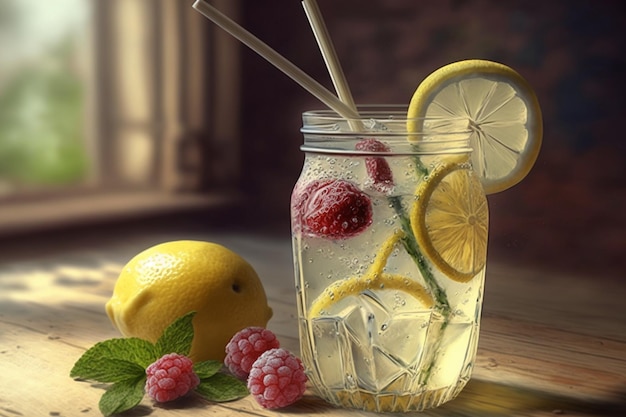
496, 104
374, 279
450, 220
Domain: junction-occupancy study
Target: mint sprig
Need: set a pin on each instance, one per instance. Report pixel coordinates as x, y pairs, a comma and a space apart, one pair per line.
123, 362
134, 350
122, 396
216, 386
177, 337
206, 369
222, 387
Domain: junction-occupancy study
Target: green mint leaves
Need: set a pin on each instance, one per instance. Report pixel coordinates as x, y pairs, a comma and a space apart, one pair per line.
134, 350
123, 363
122, 396
177, 337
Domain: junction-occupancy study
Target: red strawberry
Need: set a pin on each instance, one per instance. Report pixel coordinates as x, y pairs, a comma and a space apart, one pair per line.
334, 209
377, 167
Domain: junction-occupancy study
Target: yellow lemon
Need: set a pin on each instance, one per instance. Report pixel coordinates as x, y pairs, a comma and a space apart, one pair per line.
171, 279
496, 104
450, 221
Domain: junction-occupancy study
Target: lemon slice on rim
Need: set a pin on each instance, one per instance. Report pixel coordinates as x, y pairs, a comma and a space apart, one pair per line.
497, 105
450, 221
373, 279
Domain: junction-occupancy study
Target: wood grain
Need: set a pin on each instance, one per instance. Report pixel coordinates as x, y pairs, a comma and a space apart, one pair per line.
549, 345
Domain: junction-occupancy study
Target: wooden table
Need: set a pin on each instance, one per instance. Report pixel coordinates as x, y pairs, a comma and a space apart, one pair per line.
550, 344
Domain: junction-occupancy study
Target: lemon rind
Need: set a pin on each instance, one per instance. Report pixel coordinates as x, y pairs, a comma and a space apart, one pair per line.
433, 83
374, 279
420, 229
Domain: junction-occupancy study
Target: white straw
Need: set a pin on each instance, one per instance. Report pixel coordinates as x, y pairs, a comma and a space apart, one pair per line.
276, 59
329, 54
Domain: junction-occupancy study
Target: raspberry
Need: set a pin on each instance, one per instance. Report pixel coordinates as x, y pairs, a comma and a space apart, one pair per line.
377, 167
334, 209
170, 377
277, 379
245, 347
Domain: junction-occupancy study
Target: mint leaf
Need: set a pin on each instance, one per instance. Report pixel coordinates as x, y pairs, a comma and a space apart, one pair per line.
109, 370
177, 337
207, 369
122, 396
221, 388
135, 350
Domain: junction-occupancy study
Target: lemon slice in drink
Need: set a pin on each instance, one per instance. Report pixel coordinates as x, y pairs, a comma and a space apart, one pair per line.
450, 220
374, 279
497, 105
340, 290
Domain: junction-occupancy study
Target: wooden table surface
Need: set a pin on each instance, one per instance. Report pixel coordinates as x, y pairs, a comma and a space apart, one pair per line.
550, 344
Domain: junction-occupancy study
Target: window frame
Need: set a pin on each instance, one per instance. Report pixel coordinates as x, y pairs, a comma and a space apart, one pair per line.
194, 123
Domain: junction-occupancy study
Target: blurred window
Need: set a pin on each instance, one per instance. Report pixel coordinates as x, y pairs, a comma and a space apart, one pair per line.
115, 96
44, 64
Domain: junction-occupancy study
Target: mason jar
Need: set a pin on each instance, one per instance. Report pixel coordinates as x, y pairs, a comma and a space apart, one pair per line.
389, 232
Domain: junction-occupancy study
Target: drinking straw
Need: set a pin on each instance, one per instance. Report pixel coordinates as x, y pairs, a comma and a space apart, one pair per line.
275, 59
325, 44
314, 15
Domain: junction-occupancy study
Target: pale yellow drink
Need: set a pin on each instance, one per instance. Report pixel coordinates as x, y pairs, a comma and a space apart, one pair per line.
390, 273
386, 324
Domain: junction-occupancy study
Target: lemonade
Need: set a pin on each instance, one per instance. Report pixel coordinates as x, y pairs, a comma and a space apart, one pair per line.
384, 326
389, 223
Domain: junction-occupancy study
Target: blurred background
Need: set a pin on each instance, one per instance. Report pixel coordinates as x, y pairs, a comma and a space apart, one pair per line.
120, 113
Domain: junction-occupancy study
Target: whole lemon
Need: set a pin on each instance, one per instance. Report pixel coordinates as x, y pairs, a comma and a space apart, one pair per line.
174, 278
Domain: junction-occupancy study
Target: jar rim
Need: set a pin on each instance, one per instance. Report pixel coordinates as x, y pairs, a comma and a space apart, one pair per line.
327, 131
390, 118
